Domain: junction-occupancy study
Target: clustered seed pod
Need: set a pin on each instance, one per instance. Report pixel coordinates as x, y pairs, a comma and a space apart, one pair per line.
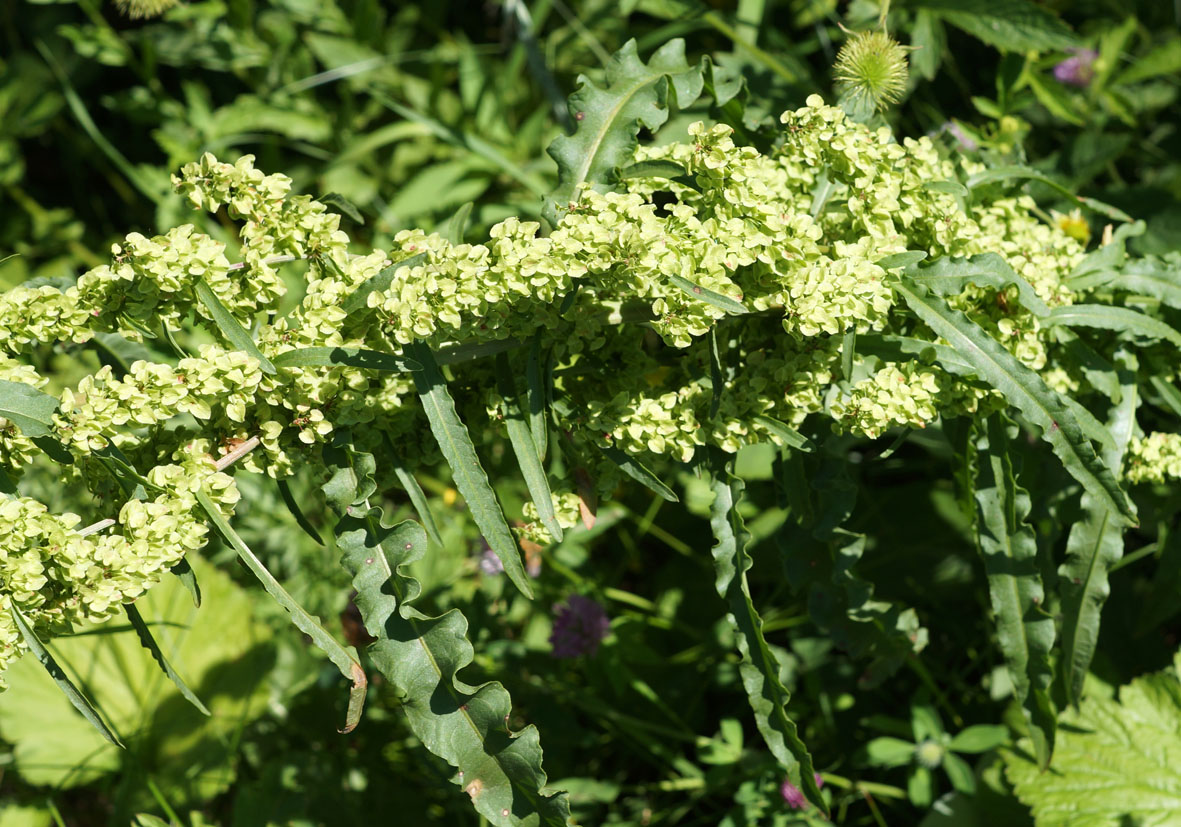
871, 71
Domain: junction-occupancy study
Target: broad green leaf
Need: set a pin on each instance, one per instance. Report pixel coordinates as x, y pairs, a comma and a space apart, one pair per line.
1119, 319
359, 298
759, 668
149, 643
525, 449
1008, 25
76, 698
710, 297
303, 621
949, 277
638, 472
889, 752
29, 409
421, 656
1115, 763
230, 328
456, 444
959, 773
979, 738
1095, 544
224, 652
1020, 173
1026, 391
608, 119
1008, 546
353, 357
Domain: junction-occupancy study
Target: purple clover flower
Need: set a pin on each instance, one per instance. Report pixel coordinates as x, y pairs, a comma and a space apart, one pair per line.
579, 627
1079, 69
793, 795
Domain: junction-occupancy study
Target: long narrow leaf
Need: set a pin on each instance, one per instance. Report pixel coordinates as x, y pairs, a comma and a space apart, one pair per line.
1019, 173
638, 472
1008, 547
456, 444
359, 298
293, 508
949, 276
1095, 544
230, 328
303, 621
1026, 391
60, 677
188, 578
354, 357
421, 656
760, 671
525, 449
710, 297
1119, 319
418, 499
149, 643
535, 392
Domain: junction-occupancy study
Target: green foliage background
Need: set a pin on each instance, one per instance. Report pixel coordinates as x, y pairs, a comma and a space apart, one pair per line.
409, 111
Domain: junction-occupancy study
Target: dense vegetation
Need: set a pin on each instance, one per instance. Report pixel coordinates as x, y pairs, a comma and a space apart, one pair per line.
646, 413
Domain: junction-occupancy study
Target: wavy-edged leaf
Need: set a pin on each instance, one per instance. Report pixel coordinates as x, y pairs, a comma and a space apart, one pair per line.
759, 669
353, 357
1008, 546
233, 331
1020, 173
456, 444
59, 676
148, 642
890, 348
1009, 25
787, 435
1026, 391
359, 298
710, 297
28, 408
638, 472
1153, 277
608, 118
1119, 319
1095, 544
525, 449
421, 656
305, 622
949, 277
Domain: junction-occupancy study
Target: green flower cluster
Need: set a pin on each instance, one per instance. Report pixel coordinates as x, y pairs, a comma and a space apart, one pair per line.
1154, 458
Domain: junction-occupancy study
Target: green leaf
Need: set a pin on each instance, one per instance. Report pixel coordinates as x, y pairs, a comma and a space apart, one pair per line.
303, 621
653, 169
149, 643
1008, 546
1119, 319
717, 379
959, 773
456, 444
353, 357
421, 656
1115, 763
889, 752
421, 505
343, 205
188, 578
457, 224
710, 297
1153, 277
608, 118
638, 472
1026, 391
525, 449
76, 698
535, 394
979, 738
1095, 544
1161, 603
901, 260
949, 277
1163, 60
234, 333
759, 668
358, 299
1168, 392
1020, 173
787, 435
29, 409
293, 508
1008, 25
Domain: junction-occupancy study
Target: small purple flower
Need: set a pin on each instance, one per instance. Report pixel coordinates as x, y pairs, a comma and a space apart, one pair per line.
579, 627
489, 563
793, 795
961, 137
1078, 70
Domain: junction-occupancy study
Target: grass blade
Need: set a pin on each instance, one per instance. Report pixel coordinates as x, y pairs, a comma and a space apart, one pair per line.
149, 643
60, 677
456, 444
